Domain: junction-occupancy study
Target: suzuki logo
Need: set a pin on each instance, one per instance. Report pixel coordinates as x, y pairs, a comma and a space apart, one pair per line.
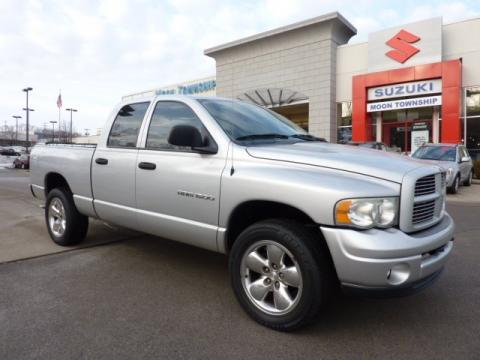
401, 43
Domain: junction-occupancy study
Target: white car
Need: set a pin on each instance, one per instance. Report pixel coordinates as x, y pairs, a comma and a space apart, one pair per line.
454, 158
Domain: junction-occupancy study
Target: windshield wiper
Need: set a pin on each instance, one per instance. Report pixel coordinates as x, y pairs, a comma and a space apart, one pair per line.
307, 137
262, 136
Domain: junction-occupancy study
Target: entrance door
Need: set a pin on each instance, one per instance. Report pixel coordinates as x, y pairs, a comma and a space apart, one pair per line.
399, 134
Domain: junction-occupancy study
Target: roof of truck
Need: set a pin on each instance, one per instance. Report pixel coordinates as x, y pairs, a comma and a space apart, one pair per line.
173, 97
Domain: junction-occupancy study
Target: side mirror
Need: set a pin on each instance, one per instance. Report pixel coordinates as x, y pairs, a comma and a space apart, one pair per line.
189, 136
464, 159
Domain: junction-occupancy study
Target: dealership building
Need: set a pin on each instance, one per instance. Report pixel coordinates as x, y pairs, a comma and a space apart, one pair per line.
415, 83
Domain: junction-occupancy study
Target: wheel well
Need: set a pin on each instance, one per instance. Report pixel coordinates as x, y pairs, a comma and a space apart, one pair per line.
55, 180
251, 212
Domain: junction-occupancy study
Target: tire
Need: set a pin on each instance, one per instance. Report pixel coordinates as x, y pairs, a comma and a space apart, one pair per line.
307, 293
65, 224
468, 181
456, 184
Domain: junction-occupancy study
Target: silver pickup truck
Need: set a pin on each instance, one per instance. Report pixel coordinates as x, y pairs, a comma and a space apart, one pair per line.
298, 217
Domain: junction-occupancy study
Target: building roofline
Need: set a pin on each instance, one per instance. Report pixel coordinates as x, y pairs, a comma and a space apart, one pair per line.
213, 77
318, 19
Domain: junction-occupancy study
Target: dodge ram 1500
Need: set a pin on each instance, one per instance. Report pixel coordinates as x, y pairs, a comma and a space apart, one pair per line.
297, 216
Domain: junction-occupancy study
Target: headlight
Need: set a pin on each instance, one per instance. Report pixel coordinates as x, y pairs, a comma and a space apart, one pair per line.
449, 174
367, 213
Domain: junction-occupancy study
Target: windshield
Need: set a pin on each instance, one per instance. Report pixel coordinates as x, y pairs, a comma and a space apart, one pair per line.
245, 122
442, 153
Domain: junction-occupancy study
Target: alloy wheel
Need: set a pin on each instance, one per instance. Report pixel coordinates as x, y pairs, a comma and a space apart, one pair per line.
271, 277
56, 217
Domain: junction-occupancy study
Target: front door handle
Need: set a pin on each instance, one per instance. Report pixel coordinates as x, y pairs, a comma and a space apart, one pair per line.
147, 166
101, 161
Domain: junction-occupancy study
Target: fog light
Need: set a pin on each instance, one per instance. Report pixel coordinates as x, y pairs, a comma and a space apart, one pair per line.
398, 274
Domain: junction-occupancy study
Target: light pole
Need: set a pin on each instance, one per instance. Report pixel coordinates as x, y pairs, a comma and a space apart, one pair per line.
53, 130
27, 109
16, 117
72, 110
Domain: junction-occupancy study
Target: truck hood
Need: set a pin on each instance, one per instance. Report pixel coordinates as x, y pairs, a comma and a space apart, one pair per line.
369, 162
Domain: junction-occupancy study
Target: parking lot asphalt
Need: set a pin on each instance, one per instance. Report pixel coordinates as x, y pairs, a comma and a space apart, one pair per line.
141, 297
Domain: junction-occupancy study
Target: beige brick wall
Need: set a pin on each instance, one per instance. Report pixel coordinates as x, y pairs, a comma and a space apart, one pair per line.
302, 60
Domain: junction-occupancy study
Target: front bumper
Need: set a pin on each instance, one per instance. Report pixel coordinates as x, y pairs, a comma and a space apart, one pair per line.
389, 259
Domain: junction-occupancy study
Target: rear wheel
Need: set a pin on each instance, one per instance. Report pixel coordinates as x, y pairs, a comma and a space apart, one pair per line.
468, 181
281, 273
65, 224
456, 183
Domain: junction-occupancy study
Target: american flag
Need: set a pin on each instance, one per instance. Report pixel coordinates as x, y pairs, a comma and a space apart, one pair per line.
59, 101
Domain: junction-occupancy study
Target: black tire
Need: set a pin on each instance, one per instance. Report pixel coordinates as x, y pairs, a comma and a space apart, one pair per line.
456, 184
76, 224
310, 253
468, 181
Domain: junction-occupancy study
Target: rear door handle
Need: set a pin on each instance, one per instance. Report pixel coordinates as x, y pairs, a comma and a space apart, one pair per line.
147, 166
101, 161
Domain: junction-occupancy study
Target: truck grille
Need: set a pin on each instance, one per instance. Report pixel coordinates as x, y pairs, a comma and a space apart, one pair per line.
422, 200
425, 185
423, 211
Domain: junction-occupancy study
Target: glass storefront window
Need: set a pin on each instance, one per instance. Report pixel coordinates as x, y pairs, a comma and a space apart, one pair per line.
472, 102
344, 122
425, 113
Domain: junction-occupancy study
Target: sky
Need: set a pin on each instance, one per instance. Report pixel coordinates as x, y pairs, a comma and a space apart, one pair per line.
96, 51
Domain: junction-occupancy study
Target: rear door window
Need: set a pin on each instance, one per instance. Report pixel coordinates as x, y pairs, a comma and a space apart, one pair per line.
126, 126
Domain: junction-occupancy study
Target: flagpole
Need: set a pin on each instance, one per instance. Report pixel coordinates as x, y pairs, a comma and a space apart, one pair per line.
59, 108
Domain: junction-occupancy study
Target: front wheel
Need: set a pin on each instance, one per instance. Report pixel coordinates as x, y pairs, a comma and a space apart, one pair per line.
65, 224
281, 273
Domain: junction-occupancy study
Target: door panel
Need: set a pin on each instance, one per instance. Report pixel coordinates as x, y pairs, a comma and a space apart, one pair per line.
114, 185
177, 189
113, 167
179, 199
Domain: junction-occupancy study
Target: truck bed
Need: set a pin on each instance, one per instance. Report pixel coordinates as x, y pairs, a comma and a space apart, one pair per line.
72, 161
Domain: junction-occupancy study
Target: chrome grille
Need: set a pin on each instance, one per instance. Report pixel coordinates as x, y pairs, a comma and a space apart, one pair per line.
423, 211
422, 200
425, 185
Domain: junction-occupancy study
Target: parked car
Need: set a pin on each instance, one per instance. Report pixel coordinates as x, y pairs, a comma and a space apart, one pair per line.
22, 162
19, 149
370, 145
296, 216
454, 158
9, 152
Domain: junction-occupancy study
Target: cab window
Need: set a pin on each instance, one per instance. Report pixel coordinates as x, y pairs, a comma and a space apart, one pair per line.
126, 126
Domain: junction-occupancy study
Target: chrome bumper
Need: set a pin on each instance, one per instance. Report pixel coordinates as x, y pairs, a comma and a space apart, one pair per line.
388, 259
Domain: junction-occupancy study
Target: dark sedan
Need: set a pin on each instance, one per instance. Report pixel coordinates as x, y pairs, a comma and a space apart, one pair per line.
9, 152
22, 162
